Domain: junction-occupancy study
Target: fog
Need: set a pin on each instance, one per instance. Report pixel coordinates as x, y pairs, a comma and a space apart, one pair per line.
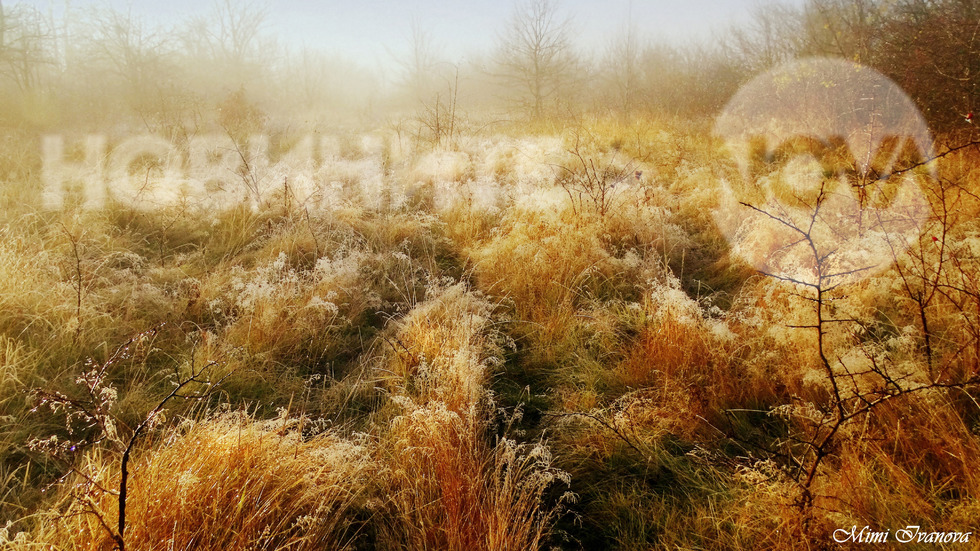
182, 68
369, 32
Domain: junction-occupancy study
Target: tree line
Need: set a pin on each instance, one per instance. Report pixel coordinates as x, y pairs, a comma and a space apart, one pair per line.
83, 69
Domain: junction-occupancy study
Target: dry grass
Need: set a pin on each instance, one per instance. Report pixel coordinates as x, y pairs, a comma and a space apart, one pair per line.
450, 489
664, 384
444, 349
449, 486
224, 483
544, 265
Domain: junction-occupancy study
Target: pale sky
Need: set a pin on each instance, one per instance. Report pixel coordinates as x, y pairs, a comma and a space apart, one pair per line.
371, 31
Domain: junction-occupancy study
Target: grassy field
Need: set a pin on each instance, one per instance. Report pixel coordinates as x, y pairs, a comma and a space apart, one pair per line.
529, 337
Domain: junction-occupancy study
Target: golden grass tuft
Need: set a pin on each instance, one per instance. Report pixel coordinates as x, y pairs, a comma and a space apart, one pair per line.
712, 362
448, 486
224, 483
544, 264
452, 490
443, 348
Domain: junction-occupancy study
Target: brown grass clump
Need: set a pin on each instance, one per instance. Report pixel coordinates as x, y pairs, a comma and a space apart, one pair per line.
254, 304
452, 490
224, 483
544, 264
714, 362
675, 340
448, 486
443, 349
907, 458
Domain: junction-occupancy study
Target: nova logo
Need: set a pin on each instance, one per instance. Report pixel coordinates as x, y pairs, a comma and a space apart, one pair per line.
831, 158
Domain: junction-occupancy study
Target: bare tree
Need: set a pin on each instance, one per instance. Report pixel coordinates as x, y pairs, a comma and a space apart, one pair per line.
870, 375
239, 26
624, 67
929, 47
231, 36
534, 54
24, 47
312, 81
771, 37
92, 420
847, 28
687, 81
132, 52
420, 63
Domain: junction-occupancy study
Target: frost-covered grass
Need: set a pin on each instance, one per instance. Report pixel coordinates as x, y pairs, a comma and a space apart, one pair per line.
479, 358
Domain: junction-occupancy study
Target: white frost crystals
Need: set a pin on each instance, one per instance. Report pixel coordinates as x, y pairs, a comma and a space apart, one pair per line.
831, 155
